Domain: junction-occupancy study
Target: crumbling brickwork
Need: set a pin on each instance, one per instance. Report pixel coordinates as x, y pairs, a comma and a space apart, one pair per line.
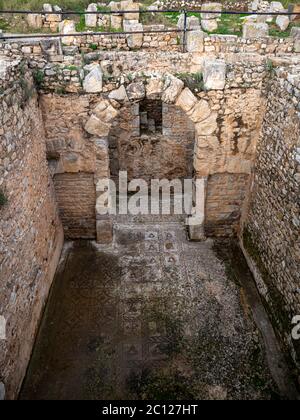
31, 235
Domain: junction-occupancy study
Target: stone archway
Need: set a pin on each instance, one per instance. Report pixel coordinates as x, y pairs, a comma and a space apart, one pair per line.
171, 91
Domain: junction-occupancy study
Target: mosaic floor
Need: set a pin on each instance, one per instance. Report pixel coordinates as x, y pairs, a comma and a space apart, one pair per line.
154, 317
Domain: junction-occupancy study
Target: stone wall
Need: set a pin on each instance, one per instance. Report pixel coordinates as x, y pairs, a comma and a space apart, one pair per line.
271, 229
31, 235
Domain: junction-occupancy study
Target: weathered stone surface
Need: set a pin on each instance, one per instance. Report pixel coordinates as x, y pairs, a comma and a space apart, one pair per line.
214, 74
135, 40
31, 237
105, 111
129, 5
91, 19
200, 112
209, 25
104, 231
207, 126
276, 6
67, 27
255, 30
193, 23
47, 7
195, 41
35, 20
186, 100
119, 94
211, 7
93, 81
295, 32
154, 88
96, 127
136, 91
282, 22
116, 22
172, 88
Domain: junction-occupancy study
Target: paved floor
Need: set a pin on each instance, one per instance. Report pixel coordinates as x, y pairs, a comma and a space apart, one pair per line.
154, 317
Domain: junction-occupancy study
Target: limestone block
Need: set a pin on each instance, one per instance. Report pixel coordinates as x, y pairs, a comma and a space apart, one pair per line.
295, 32
255, 30
276, 6
134, 40
297, 45
186, 100
200, 112
193, 23
294, 8
210, 25
67, 27
115, 7
129, 5
136, 91
214, 74
105, 111
207, 126
91, 20
154, 88
119, 94
196, 230
195, 41
93, 81
55, 18
211, 7
104, 231
282, 22
96, 127
35, 20
172, 88
47, 7
116, 22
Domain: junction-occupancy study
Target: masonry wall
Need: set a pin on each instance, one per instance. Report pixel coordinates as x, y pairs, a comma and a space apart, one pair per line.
31, 236
271, 230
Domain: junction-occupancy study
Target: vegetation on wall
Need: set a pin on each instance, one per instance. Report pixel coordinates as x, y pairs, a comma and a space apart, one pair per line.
3, 199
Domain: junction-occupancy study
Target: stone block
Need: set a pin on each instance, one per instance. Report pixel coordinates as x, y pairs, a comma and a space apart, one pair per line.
195, 41
211, 7
116, 22
186, 100
208, 126
129, 5
96, 127
172, 89
210, 25
214, 74
105, 111
276, 6
200, 112
119, 94
295, 32
255, 30
134, 40
35, 20
93, 81
136, 91
91, 19
282, 22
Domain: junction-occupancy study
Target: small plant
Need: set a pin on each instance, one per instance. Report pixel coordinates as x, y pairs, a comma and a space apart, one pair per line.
270, 66
93, 47
193, 81
3, 199
130, 77
38, 77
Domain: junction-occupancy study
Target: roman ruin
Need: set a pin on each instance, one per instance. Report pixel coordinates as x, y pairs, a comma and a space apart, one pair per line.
96, 305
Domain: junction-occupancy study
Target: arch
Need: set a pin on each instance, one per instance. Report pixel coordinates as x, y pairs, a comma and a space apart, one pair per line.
169, 90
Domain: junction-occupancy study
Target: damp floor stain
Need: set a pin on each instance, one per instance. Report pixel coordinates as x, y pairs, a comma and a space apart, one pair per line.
153, 317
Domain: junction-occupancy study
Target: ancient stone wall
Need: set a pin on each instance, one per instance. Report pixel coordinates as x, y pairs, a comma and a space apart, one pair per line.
31, 235
271, 230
